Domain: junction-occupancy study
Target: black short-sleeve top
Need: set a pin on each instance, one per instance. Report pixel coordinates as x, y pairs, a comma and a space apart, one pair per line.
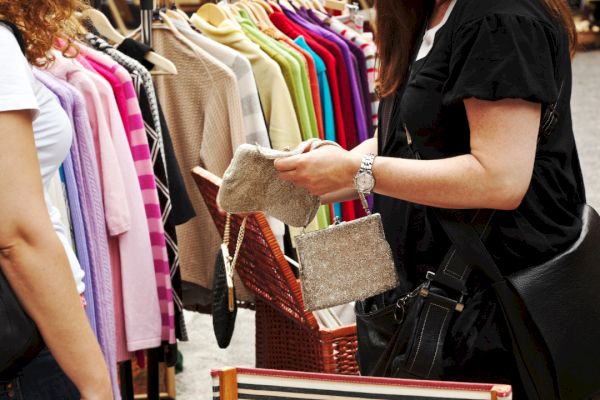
490, 50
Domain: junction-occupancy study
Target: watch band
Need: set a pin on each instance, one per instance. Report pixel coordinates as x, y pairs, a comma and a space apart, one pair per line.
366, 164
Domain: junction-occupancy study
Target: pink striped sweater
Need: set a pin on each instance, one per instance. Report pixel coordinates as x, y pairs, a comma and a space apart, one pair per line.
138, 143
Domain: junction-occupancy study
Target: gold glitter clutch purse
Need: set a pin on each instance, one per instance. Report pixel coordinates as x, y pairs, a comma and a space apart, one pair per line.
346, 262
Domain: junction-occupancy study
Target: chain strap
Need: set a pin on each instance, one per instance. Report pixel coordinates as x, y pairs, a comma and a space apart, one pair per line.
227, 232
238, 245
231, 262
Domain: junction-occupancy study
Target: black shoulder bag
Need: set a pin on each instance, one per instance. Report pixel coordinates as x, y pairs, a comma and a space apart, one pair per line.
552, 311
20, 340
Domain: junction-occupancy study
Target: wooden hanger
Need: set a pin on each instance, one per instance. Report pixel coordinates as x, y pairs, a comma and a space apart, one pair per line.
231, 13
337, 5
260, 13
286, 4
183, 15
306, 4
163, 66
264, 5
317, 5
212, 13
170, 13
246, 7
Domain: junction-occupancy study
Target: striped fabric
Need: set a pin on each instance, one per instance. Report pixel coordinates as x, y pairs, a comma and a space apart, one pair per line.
144, 87
140, 150
370, 52
256, 384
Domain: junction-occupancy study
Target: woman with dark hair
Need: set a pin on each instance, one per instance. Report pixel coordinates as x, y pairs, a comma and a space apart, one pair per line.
35, 137
464, 85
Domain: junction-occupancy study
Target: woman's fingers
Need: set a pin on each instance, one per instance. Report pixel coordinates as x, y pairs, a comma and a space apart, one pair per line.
287, 163
291, 176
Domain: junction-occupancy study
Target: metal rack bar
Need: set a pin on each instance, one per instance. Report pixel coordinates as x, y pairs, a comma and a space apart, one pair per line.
146, 10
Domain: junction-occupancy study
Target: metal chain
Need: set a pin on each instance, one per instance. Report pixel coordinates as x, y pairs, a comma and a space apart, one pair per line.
238, 245
227, 232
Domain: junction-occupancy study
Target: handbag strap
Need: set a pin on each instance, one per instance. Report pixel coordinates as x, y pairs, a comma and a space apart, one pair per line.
231, 262
531, 356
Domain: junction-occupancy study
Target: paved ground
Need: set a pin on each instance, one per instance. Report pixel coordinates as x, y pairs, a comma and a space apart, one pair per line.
201, 352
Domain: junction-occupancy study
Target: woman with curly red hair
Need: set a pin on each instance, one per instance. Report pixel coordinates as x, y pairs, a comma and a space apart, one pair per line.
35, 137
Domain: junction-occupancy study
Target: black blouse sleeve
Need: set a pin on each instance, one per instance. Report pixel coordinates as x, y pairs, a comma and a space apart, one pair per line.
503, 56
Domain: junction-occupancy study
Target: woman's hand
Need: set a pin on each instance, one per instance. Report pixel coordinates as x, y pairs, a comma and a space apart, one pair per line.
324, 170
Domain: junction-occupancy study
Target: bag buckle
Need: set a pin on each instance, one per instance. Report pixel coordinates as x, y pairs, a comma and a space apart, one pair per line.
400, 311
424, 290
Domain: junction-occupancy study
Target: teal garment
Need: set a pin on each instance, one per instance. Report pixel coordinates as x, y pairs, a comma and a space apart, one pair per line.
326, 104
324, 91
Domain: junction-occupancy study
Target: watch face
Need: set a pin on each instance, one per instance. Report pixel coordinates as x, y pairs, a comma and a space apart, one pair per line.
365, 182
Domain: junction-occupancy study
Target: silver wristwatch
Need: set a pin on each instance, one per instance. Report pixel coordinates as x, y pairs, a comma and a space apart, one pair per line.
364, 181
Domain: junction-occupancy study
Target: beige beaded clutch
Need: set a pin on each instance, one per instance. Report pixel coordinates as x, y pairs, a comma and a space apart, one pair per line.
346, 262
252, 184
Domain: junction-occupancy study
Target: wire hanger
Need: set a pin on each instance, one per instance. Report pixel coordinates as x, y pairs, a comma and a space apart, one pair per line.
163, 66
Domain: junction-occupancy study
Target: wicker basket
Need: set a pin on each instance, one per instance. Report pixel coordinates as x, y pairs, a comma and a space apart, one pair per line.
287, 336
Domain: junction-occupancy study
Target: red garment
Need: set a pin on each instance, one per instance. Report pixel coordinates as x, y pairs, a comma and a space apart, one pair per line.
286, 26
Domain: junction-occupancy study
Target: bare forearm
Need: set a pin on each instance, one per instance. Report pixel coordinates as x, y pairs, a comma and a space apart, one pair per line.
458, 182
40, 274
496, 174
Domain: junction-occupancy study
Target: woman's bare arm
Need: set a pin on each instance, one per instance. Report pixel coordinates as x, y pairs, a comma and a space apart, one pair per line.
35, 263
496, 174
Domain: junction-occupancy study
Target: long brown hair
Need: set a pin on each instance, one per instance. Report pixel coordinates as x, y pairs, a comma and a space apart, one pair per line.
41, 22
399, 24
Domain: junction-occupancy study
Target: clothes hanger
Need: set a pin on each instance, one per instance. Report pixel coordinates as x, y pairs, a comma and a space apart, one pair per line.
246, 7
182, 13
317, 5
306, 4
162, 65
336, 5
173, 14
213, 14
232, 14
286, 4
261, 14
264, 5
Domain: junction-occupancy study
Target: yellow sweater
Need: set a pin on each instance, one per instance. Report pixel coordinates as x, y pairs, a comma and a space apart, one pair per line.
274, 94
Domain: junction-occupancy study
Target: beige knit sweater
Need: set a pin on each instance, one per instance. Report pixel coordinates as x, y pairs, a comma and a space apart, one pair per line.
203, 109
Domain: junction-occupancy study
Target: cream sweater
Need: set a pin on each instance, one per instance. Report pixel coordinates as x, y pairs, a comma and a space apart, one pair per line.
203, 109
